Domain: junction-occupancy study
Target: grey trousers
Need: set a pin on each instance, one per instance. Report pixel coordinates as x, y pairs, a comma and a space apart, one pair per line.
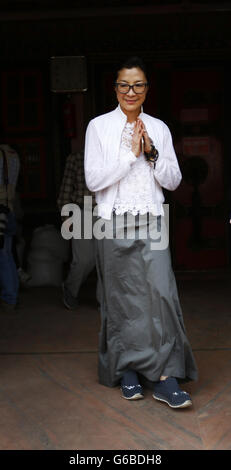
83, 262
142, 325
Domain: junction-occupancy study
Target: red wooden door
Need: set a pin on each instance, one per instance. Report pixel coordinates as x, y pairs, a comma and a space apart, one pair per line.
199, 221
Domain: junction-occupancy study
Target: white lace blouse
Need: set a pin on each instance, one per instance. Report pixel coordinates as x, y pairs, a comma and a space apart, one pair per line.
135, 190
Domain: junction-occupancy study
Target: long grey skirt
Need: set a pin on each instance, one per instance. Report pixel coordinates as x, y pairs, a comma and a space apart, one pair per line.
142, 326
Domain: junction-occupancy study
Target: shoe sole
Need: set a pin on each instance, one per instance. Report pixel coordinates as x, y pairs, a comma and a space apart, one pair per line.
186, 404
137, 396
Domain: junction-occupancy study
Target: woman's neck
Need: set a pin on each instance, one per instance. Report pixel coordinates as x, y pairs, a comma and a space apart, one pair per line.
131, 116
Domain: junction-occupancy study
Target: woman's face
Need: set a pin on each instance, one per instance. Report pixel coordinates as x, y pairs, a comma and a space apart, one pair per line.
131, 102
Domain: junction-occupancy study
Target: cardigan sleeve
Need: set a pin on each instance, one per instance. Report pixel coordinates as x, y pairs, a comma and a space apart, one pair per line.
167, 171
101, 173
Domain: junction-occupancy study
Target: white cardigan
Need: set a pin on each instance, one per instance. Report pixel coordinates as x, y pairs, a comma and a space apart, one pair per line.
106, 162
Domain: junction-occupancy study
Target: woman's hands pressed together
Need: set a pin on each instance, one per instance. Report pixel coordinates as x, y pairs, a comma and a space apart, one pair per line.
139, 134
137, 137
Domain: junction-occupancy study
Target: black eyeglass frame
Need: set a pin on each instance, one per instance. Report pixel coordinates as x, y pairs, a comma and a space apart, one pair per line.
131, 86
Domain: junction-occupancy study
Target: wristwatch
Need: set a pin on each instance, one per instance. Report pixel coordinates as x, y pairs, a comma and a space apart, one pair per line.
153, 155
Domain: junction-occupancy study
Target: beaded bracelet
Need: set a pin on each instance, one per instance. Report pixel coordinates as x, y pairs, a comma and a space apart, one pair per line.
153, 155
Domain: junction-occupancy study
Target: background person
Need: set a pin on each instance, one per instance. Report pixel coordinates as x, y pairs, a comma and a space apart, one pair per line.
19, 243
72, 190
9, 283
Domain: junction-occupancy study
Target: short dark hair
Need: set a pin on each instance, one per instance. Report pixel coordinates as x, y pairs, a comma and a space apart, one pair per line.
130, 63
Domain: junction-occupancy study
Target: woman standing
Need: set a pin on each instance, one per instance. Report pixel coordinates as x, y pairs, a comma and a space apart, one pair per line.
129, 157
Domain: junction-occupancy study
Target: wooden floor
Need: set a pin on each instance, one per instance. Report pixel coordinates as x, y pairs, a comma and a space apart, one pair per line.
49, 392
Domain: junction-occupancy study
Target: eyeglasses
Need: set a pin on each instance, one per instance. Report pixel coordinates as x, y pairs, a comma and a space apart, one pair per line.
138, 88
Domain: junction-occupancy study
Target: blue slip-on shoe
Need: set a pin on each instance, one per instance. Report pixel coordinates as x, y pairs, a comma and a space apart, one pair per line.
169, 392
130, 387
132, 392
